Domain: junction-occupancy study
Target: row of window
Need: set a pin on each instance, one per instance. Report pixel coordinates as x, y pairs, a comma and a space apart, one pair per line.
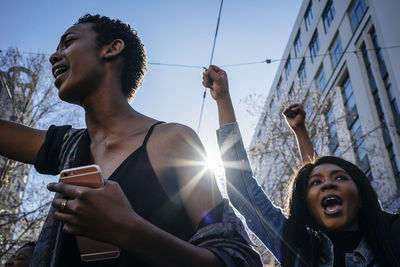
377, 100
356, 13
354, 126
352, 117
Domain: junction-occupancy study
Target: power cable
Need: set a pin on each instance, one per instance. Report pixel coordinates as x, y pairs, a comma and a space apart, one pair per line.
212, 55
175, 65
266, 61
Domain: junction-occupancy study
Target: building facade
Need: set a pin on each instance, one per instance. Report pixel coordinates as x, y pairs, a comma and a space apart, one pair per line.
342, 62
13, 174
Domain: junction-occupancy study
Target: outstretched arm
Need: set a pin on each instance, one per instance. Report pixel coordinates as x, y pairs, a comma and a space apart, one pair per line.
19, 142
295, 117
217, 80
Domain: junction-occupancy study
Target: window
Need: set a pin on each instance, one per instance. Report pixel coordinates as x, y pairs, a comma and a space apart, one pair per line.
378, 51
386, 80
308, 16
393, 161
17, 186
336, 51
308, 104
279, 89
302, 73
371, 79
288, 68
333, 138
328, 15
291, 93
272, 107
348, 94
381, 114
321, 80
357, 12
317, 145
314, 46
354, 126
393, 102
297, 43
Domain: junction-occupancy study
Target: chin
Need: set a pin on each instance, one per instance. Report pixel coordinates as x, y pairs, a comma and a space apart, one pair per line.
69, 98
332, 224
339, 227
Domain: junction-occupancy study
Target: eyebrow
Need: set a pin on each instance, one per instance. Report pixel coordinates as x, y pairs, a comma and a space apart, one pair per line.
63, 37
332, 172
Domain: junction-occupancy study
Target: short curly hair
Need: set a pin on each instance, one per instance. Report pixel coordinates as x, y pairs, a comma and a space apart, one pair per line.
134, 54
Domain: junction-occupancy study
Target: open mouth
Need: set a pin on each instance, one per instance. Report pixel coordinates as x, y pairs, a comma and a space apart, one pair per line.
331, 204
59, 70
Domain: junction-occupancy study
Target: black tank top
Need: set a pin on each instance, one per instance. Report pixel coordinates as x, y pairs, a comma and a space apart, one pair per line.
147, 196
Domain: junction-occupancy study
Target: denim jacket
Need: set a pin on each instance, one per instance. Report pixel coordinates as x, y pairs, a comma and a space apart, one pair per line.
262, 217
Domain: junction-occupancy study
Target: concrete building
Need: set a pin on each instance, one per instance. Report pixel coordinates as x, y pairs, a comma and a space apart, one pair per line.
13, 175
342, 61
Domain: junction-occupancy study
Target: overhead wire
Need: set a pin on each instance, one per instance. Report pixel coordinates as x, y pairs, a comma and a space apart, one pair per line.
211, 58
266, 61
175, 65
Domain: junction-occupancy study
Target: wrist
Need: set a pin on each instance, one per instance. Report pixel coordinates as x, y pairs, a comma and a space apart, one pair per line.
225, 99
128, 232
301, 128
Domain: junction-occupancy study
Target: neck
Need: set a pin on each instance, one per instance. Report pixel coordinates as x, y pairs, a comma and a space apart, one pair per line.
107, 113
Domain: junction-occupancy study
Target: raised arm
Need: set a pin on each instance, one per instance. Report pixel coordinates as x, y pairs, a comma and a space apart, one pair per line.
262, 217
19, 142
295, 116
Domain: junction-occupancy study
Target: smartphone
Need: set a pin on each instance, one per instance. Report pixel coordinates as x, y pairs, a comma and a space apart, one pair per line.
90, 176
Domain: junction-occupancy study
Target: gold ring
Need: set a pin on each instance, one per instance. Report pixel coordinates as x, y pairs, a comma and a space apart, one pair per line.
63, 205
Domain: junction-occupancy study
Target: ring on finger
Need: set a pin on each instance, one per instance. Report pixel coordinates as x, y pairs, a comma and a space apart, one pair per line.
63, 205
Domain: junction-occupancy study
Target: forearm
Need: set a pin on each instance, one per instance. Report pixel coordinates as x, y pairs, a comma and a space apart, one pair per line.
305, 145
226, 113
146, 240
262, 217
19, 142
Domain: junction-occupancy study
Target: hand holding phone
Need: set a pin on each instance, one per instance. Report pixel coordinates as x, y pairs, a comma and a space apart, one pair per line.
90, 176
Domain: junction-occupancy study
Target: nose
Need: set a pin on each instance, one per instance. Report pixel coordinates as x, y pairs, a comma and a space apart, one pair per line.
328, 184
54, 58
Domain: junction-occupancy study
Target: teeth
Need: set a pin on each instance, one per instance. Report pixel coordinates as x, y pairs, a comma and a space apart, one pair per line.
59, 70
331, 200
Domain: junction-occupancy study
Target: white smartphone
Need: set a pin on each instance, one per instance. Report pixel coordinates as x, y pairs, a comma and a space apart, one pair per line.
90, 176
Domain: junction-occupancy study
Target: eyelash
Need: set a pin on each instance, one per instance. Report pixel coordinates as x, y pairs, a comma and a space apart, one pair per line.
68, 42
315, 182
341, 177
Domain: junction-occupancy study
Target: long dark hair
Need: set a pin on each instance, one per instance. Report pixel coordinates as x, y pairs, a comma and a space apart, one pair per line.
301, 232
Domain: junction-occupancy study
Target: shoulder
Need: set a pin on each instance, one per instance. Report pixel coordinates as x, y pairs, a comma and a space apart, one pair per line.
174, 129
174, 136
174, 145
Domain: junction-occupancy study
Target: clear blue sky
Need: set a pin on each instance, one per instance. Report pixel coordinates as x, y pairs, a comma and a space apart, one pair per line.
175, 32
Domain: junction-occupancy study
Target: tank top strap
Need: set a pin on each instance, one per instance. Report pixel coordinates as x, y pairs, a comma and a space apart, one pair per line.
146, 138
